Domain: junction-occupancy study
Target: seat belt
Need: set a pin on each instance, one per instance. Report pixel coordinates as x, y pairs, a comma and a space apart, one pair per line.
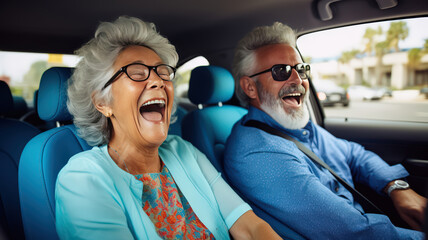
371, 207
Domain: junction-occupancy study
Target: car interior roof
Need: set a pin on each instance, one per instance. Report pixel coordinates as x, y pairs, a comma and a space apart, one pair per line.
208, 28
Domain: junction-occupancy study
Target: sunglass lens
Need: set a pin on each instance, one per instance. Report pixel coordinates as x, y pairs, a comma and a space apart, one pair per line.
281, 72
303, 70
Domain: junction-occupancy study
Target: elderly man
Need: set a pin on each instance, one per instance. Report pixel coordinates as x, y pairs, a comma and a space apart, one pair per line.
284, 186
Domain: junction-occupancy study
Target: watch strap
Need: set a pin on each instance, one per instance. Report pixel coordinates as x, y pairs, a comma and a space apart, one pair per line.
396, 185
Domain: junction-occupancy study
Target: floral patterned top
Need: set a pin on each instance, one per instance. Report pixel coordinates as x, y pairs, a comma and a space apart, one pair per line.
168, 209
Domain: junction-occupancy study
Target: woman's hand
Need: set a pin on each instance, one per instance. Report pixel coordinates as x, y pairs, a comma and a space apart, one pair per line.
249, 226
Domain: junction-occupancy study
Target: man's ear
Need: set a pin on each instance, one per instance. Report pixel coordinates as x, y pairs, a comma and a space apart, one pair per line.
249, 87
102, 107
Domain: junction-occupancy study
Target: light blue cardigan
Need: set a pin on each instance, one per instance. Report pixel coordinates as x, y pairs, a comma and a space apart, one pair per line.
95, 199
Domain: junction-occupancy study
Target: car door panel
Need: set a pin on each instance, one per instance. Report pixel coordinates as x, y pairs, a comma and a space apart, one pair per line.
395, 142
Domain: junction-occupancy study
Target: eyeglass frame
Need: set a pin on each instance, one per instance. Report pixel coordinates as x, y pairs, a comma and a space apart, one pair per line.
124, 70
292, 67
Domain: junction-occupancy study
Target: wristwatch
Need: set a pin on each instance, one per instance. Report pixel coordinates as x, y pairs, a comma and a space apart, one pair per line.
398, 184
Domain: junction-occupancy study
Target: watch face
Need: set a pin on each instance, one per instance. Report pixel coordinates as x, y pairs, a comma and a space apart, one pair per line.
401, 184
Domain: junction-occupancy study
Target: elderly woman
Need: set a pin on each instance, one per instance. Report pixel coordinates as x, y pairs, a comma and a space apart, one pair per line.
137, 182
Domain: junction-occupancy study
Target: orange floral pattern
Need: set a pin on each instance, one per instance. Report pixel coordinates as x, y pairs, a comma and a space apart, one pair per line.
168, 209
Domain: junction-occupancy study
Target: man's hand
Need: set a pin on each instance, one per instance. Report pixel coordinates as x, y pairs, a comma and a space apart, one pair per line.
410, 206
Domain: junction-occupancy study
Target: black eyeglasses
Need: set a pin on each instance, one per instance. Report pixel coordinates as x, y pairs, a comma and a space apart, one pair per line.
282, 72
140, 72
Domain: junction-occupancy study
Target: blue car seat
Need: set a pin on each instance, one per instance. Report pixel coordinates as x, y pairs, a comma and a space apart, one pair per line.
20, 107
45, 155
33, 118
14, 135
175, 128
209, 127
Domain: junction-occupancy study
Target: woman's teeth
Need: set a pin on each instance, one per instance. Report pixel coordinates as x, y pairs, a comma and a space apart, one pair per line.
154, 102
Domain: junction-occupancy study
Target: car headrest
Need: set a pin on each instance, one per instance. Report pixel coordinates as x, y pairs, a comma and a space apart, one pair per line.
52, 96
20, 106
6, 99
35, 97
210, 85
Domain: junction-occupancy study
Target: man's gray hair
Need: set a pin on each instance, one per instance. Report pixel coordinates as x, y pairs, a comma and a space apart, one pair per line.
245, 54
95, 68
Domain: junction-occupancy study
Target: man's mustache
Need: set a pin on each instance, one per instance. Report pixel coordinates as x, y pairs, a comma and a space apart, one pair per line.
291, 89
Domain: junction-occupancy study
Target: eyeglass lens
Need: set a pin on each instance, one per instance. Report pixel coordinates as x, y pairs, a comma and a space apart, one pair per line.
139, 72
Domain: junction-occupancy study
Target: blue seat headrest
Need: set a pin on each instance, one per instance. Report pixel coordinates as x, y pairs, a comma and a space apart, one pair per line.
20, 106
6, 99
210, 85
35, 97
52, 96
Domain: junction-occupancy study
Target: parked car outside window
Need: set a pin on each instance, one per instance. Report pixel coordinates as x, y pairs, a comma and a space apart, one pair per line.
329, 93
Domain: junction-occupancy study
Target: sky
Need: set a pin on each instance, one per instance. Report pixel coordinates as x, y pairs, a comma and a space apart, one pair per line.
331, 43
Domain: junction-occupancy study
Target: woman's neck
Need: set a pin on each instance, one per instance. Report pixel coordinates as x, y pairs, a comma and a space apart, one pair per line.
135, 159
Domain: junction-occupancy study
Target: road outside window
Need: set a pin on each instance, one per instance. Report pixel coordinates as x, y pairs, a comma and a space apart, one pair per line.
371, 71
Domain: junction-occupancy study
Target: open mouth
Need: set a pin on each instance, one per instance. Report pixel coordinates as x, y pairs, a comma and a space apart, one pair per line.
292, 98
153, 110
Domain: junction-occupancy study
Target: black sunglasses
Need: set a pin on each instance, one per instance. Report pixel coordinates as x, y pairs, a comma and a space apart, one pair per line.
282, 72
140, 72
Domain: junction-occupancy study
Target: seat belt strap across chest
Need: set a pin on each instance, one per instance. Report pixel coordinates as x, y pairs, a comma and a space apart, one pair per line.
371, 207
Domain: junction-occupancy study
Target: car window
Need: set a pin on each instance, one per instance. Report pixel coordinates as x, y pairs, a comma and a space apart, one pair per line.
371, 71
22, 71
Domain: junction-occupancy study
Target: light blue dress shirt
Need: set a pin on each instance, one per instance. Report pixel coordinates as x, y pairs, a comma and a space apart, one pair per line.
300, 199
95, 199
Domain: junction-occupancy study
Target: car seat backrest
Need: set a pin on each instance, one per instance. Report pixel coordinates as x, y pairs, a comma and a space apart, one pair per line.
32, 117
208, 128
20, 107
6, 99
14, 135
45, 155
175, 128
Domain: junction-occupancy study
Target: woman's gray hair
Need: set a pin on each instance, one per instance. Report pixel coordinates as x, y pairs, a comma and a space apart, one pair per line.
245, 53
96, 67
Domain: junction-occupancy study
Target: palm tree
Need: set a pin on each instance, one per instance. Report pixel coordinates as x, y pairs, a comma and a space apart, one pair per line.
346, 56
397, 31
425, 47
414, 55
381, 48
370, 35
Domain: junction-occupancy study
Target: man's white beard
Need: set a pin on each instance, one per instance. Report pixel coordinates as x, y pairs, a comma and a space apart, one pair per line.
293, 118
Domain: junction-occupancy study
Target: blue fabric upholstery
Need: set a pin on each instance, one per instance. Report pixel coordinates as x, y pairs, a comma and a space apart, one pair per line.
14, 135
6, 99
175, 128
20, 107
42, 159
52, 96
210, 85
209, 128
45, 155
32, 117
